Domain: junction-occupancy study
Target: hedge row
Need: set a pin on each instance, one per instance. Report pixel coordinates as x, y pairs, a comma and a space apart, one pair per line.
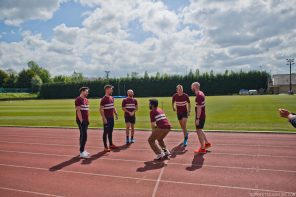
164, 86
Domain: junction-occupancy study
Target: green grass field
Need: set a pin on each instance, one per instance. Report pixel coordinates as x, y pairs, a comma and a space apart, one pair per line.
223, 113
17, 96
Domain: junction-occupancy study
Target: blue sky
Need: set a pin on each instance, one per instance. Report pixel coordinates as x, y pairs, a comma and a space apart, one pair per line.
169, 36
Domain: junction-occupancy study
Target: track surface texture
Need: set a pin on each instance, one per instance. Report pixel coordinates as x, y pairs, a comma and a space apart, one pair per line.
45, 162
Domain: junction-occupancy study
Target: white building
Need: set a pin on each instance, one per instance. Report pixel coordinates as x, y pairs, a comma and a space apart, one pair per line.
280, 83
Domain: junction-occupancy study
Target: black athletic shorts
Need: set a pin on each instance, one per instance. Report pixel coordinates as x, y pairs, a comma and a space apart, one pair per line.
130, 119
182, 115
201, 124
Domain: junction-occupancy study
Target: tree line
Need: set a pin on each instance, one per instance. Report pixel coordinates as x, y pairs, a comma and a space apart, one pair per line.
61, 86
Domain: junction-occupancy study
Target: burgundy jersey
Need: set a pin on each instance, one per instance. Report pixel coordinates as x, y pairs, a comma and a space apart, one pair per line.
130, 105
107, 102
84, 107
200, 100
158, 116
181, 102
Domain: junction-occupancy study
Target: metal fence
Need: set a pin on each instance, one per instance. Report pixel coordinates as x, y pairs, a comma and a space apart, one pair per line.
15, 90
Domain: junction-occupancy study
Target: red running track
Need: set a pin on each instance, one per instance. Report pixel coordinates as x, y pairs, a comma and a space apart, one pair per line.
44, 162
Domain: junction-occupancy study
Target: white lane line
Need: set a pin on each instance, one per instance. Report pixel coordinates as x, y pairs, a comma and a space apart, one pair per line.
141, 161
141, 149
29, 192
144, 179
66, 137
158, 179
166, 162
238, 145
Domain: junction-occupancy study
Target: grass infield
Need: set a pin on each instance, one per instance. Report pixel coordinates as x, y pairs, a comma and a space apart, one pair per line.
223, 113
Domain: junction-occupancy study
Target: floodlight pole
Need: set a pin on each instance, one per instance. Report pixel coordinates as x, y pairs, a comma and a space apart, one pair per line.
107, 74
290, 62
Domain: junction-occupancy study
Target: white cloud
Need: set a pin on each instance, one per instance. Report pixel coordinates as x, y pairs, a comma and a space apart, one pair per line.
209, 35
15, 12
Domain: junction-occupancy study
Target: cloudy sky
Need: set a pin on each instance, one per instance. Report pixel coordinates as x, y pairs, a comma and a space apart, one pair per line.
169, 36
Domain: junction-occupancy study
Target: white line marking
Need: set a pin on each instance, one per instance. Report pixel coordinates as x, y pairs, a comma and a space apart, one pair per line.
139, 161
144, 179
158, 179
137, 149
246, 145
30, 192
227, 138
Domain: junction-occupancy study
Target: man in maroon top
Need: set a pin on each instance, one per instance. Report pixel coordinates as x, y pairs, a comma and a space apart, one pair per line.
200, 117
160, 128
130, 106
107, 111
181, 101
81, 105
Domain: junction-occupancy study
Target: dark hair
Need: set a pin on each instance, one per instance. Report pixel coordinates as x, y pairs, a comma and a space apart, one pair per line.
82, 89
153, 102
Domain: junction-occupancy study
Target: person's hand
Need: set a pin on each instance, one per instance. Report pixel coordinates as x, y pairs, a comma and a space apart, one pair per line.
197, 122
105, 120
284, 113
188, 114
174, 109
116, 116
132, 113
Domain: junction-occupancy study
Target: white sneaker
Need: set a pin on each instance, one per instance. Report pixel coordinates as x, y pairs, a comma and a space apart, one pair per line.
167, 153
84, 155
87, 152
160, 156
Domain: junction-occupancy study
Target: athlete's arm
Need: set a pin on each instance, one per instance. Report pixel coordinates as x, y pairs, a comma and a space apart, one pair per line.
102, 114
153, 125
78, 111
116, 114
188, 107
173, 105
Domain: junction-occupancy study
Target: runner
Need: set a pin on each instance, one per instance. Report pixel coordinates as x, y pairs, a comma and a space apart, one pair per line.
160, 128
130, 107
107, 111
82, 119
200, 118
181, 101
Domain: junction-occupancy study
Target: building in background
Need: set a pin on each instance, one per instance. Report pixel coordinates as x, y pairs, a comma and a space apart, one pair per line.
280, 84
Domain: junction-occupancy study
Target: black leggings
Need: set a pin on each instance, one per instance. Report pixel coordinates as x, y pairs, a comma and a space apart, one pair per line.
108, 130
83, 134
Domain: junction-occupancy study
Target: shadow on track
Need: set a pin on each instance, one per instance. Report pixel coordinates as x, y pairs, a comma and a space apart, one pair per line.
197, 162
65, 164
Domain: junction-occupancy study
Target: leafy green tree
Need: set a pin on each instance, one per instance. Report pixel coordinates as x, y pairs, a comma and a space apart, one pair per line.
61, 78
10, 81
24, 79
3, 76
146, 76
77, 77
36, 83
38, 70
157, 76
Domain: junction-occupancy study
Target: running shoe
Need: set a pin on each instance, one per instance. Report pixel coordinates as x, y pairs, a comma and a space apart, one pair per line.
106, 149
113, 146
167, 153
127, 141
208, 145
84, 155
132, 141
201, 151
160, 156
